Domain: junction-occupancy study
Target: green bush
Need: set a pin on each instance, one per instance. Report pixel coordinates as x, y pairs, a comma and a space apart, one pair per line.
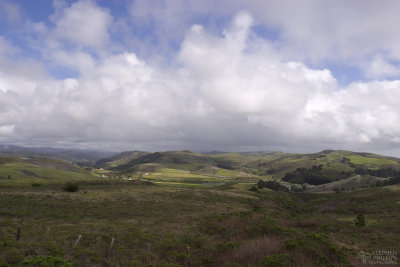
274, 185
291, 243
70, 187
193, 239
46, 261
4, 264
253, 188
360, 220
226, 246
277, 260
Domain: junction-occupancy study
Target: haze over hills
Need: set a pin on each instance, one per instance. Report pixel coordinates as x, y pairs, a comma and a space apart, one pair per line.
72, 155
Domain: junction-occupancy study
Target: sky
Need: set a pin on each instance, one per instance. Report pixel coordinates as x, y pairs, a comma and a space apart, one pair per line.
226, 75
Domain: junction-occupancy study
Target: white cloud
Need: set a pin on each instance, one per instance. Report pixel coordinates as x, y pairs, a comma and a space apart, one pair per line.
340, 32
6, 129
379, 68
231, 90
84, 24
238, 77
331, 29
359, 113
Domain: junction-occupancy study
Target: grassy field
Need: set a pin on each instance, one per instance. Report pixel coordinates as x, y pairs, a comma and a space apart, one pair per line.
178, 212
227, 173
19, 170
131, 223
371, 161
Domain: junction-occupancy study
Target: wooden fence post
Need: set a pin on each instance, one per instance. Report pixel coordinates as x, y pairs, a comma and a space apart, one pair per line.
18, 234
47, 233
77, 241
111, 246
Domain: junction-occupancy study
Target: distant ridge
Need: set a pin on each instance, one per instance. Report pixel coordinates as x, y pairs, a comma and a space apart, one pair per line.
71, 155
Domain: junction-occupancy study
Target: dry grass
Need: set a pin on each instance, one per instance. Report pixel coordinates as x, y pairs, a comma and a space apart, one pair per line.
253, 251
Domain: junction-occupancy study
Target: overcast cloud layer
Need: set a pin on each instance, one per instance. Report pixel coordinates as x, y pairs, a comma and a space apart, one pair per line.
202, 75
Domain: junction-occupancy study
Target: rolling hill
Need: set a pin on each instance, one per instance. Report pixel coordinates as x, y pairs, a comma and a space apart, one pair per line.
20, 169
86, 156
322, 171
335, 167
198, 209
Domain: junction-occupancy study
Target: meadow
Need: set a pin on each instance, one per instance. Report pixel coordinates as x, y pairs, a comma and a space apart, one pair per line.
179, 212
133, 223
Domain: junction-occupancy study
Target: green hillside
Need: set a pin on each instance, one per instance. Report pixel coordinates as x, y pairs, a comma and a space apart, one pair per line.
120, 159
180, 208
312, 170
19, 169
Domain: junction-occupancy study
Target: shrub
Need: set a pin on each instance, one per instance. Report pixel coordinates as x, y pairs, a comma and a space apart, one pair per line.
70, 187
277, 260
46, 261
193, 239
274, 185
253, 188
296, 188
360, 220
291, 243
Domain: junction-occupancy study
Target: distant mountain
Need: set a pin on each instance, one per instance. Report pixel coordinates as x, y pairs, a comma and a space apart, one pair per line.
71, 155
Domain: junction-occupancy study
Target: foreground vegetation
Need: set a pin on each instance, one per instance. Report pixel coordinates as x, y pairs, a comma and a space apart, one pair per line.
188, 209
132, 223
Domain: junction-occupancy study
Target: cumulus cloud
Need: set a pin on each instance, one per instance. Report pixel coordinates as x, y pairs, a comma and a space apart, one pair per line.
246, 77
380, 68
359, 113
312, 31
83, 24
229, 90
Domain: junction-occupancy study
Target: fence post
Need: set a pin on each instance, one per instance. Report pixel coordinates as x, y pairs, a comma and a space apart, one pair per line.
47, 233
18, 234
77, 241
111, 245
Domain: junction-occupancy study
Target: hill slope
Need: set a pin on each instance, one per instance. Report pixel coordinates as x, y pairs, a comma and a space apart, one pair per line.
72, 155
19, 169
314, 169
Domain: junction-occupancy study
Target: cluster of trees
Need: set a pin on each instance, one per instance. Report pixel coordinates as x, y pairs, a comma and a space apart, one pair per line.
224, 165
389, 181
274, 185
381, 172
315, 175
